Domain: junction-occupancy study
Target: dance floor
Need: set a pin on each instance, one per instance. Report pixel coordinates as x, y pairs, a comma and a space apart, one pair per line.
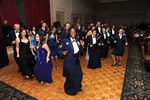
98, 84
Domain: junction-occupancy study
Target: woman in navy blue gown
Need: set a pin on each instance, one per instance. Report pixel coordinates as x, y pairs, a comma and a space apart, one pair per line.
71, 51
93, 49
43, 67
119, 47
53, 45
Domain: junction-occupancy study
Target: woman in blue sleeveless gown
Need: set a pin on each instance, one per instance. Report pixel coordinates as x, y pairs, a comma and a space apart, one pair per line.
32, 41
43, 67
53, 45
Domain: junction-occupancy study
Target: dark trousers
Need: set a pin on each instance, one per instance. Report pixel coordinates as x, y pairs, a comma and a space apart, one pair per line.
17, 60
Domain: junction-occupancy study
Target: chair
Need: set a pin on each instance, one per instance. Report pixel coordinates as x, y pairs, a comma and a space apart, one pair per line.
136, 37
146, 58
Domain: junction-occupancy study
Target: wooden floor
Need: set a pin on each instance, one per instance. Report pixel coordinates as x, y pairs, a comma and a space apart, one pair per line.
98, 84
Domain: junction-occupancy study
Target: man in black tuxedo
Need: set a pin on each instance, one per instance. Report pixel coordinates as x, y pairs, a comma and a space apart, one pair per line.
112, 34
12, 40
103, 44
43, 31
64, 32
79, 31
98, 28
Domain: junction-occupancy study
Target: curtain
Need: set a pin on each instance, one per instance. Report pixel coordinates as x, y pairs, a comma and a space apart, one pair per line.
37, 10
8, 11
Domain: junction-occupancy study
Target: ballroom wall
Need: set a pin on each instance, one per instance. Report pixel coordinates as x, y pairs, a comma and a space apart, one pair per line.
85, 10
127, 12
148, 13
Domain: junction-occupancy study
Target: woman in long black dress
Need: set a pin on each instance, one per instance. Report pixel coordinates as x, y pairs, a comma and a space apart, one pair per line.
71, 51
24, 54
93, 50
119, 47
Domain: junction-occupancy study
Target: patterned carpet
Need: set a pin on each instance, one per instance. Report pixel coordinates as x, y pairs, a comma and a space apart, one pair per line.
137, 79
9, 93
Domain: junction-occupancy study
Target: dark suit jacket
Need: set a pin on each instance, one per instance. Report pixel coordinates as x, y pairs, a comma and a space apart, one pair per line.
90, 41
112, 35
63, 35
6, 29
12, 36
97, 30
67, 46
102, 38
79, 33
120, 43
42, 32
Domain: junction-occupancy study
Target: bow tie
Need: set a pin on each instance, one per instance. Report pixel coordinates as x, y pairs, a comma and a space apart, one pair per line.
73, 40
16, 31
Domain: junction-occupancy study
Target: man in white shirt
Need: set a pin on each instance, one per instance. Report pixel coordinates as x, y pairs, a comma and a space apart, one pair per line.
12, 39
98, 27
75, 45
94, 39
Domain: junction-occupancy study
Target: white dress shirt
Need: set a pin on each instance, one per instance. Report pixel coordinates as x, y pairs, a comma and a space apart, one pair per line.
93, 39
79, 27
43, 28
108, 34
75, 46
120, 35
104, 35
17, 34
113, 32
99, 29
34, 32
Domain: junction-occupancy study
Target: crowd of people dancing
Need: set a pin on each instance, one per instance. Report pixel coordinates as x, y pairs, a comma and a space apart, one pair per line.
37, 50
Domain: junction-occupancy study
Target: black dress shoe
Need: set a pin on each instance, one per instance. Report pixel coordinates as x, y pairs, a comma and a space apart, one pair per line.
114, 64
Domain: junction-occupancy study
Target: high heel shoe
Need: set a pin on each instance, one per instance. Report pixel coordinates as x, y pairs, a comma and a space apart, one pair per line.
114, 64
27, 77
41, 82
119, 64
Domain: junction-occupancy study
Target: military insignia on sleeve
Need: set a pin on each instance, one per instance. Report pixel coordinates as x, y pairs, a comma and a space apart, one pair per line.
67, 43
